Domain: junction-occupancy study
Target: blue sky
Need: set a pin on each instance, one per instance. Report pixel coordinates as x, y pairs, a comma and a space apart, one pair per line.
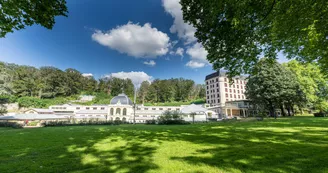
104, 37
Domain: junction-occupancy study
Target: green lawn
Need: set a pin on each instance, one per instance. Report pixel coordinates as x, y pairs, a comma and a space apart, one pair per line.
298, 144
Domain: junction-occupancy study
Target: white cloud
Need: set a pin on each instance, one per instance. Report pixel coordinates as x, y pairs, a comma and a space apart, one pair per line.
137, 77
184, 30
87, 74
195, 64
197, 52
197, 55
151, 63
179, 51
135, 40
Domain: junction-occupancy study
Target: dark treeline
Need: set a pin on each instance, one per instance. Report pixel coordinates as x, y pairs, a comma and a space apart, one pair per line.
51, 82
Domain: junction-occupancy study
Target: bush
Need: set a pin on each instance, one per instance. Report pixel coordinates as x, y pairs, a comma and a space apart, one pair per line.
11, 124
150, 121
171, 117
68, 123
319, 114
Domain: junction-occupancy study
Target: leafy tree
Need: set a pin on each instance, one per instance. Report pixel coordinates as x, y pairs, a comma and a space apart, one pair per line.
74, 81
271, 86
235, 33
118, 86
313, 83
143, 90
17, 14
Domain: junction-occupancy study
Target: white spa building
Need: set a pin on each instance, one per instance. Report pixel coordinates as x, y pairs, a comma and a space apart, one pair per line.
122, 108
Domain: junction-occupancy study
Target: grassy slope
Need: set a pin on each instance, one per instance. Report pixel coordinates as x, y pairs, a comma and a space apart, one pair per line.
283, 145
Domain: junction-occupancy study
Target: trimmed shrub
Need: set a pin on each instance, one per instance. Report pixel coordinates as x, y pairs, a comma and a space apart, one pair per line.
319, 114
171, 117
80, 123
150, 121
11, 124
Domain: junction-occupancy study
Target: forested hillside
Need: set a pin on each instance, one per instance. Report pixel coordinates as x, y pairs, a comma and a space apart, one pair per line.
41, 87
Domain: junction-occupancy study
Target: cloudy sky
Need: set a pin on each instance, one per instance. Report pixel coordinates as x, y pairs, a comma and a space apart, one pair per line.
126, 38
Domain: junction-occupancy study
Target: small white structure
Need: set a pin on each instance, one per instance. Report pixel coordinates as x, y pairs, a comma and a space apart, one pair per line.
86, 98
194, 113
39, 111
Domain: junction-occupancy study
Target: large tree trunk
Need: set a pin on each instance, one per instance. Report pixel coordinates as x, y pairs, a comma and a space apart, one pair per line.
272, 114
292, 108
282, 110
288, 110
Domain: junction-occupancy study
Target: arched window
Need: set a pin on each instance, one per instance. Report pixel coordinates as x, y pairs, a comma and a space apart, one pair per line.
124, 119
117, 118
124, 111
118, 111
111, 111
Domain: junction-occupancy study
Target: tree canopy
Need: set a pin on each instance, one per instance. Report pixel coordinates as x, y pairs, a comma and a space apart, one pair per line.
312, 82
272, 87
236, 33
17, 14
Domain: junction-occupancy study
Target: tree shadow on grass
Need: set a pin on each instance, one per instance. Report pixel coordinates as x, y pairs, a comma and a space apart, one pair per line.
273, 146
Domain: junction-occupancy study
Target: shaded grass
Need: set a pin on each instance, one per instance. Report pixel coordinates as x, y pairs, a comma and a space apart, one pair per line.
298, 144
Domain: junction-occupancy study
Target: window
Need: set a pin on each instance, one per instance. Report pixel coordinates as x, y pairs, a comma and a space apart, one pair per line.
233, 86
218, 95
206, 82
153, 108
225, 84
217, 79
238, 91
124, 111
245, 87
227, 95
87, 108
235, 95
112, 111
77, 108
169, 109
145, 108
234, 91
82, 115
137, 115
138, 108
102, 108
217, 85
162, 108
98, 115
153, 116
242, 97
239, 96
94, 108
90, 115
230, 95
229, 90
144, 115
178, 109
237, 86
226, 89
118, 111
227, 99
225, 79
207, 87
218, 100
218, 90
207, 92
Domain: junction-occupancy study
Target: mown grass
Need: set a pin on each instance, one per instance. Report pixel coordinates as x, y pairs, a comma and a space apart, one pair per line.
298, 144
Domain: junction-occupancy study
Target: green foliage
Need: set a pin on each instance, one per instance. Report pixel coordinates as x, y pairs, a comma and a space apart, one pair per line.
16, 14
11, 124
33, 102
171, 117
272, 86
313, 83
235, 33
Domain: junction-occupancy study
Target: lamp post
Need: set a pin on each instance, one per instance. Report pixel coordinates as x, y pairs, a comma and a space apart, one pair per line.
134, 113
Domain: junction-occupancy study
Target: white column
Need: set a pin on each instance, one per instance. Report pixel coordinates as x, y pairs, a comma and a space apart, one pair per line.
231, 112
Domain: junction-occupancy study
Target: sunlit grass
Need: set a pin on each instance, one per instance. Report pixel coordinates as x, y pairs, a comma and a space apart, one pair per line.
298, 144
